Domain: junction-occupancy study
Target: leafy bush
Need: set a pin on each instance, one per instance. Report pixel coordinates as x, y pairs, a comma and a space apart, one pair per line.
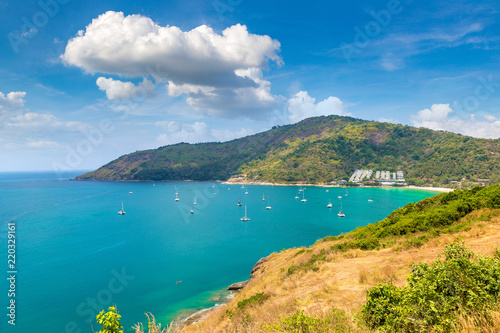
110, 321
436, 294
253, 300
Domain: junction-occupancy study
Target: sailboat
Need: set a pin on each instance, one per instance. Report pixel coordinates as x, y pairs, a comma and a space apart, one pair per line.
303, 197
329, 203
122, 212
245, 218
192, 210
345, 192
239, 202
263, 197
268, 207
176, 193
340, 214
194, 202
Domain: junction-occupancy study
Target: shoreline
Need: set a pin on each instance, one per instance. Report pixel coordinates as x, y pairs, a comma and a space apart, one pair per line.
411, 187
437, 189
229, 182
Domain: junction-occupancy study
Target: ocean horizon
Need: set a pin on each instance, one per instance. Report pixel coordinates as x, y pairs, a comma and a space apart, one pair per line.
75, 255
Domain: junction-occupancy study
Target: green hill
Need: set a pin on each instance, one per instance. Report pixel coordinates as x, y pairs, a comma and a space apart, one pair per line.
317, 150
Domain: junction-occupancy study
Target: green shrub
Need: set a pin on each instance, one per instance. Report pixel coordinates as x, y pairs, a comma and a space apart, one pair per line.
436, 294
253, 300
300, 252
110, 321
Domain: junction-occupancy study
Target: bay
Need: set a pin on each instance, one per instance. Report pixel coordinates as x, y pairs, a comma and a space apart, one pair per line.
76, 256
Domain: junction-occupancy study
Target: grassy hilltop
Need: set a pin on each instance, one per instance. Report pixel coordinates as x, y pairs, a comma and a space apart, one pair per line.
317, 150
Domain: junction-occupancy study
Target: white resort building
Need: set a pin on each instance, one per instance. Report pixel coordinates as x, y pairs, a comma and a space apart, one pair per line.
383, 177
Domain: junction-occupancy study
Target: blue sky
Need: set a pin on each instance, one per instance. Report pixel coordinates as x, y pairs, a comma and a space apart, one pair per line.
83, 83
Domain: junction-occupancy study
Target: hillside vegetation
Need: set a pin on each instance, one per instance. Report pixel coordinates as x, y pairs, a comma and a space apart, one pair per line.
388, 276
318, 150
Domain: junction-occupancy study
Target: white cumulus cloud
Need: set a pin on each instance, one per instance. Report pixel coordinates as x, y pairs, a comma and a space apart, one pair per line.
11, 103
302, 106
442, 117
40, 121
116, 89
213, 69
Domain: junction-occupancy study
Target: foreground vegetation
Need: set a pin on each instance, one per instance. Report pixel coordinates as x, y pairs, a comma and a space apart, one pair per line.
388, 276
437, 294
319, 150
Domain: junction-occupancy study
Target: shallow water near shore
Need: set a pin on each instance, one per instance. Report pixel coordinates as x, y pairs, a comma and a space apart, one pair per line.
75, 255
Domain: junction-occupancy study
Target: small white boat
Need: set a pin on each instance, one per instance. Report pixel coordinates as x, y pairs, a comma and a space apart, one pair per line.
329, 203
303, 197
340, 214
130, 192
246, 192
340, 197
370, 200
122, 212
245, 218
268, 207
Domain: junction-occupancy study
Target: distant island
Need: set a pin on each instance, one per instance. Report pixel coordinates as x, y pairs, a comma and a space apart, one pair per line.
319, 150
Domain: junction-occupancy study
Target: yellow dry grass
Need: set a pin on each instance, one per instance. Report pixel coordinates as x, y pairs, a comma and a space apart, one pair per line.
342, 280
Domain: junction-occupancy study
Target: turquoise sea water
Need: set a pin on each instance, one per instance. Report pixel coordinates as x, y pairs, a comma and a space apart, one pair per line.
75, 255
